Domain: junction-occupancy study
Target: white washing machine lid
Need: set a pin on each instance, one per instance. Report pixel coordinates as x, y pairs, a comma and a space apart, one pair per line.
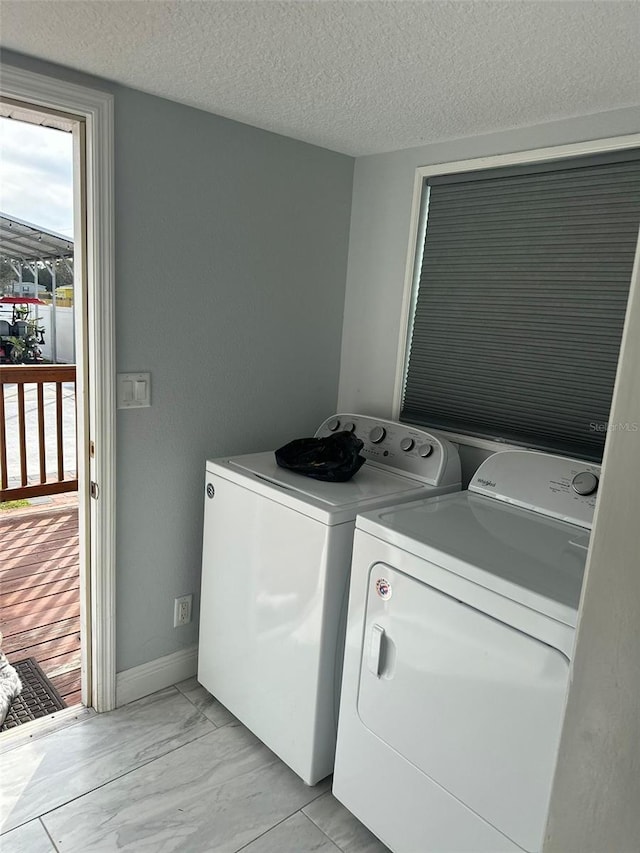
524, 556
330, 503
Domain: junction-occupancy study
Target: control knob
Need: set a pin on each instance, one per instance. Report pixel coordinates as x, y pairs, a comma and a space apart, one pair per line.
349, 426
585, 483
425, 450
377, 434
407, 444
333, 424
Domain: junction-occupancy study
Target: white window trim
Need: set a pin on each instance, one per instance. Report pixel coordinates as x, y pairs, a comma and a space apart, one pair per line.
538, 155
96, 109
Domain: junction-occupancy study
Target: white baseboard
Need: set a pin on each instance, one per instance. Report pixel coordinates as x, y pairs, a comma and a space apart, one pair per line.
132, 684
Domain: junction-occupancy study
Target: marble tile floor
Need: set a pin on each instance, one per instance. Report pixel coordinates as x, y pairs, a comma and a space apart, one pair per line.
174, 771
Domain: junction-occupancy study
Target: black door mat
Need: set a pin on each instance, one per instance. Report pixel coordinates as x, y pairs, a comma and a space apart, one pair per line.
39, 697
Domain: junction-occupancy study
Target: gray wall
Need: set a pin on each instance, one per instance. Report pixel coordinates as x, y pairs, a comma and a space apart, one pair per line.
594, 801
379, 242
231, 247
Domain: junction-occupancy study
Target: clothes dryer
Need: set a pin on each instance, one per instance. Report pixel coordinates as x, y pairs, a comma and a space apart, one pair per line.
461, 622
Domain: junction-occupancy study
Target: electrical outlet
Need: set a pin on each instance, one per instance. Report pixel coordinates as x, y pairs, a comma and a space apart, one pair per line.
182, 610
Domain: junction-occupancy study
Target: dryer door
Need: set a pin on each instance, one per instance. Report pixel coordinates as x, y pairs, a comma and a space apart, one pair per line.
473, 703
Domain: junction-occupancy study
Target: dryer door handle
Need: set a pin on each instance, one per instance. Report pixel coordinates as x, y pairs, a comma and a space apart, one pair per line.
375, 650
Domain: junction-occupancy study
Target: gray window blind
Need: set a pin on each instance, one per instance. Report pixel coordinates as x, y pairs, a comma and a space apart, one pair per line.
521, 302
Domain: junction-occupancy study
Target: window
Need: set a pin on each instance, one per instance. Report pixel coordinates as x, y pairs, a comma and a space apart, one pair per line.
520, 297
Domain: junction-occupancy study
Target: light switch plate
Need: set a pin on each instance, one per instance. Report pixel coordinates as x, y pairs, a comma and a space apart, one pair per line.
134, 390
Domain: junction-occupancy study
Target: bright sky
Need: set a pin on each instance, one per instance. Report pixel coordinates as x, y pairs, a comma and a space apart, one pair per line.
36, 168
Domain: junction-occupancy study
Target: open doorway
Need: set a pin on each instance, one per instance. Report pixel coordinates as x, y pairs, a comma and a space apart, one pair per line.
86, 116
42, 579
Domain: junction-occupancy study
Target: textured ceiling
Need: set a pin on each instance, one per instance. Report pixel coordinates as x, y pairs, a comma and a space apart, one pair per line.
354, 76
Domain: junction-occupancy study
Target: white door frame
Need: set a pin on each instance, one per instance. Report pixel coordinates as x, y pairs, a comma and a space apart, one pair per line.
95, 110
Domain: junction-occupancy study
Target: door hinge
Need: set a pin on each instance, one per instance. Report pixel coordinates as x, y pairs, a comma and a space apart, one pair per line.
92, 449
94, 490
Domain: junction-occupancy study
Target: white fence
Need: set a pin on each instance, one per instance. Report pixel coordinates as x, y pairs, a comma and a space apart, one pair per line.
65, 344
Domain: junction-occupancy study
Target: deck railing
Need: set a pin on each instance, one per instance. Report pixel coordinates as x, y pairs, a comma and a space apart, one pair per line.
32, 432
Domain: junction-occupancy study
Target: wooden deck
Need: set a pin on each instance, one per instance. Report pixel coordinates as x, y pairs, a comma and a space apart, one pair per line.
39, 592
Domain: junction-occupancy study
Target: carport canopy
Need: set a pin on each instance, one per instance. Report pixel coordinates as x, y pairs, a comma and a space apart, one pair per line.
26, 243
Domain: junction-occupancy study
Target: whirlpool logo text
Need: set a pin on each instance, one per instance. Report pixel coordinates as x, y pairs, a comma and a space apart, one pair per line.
486, 482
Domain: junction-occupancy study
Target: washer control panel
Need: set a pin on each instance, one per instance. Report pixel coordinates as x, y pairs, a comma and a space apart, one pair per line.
552, 485
408, 450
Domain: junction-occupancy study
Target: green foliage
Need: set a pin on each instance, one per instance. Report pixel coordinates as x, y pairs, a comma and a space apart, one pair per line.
13, 504
26, 349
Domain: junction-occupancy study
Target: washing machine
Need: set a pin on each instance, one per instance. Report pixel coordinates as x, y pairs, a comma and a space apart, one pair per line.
275, 571
461, 623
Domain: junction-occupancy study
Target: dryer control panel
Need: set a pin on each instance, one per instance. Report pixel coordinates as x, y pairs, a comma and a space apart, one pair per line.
410, 451
556, 486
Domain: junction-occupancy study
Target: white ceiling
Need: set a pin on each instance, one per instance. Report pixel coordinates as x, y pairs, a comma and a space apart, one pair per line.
355, 76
